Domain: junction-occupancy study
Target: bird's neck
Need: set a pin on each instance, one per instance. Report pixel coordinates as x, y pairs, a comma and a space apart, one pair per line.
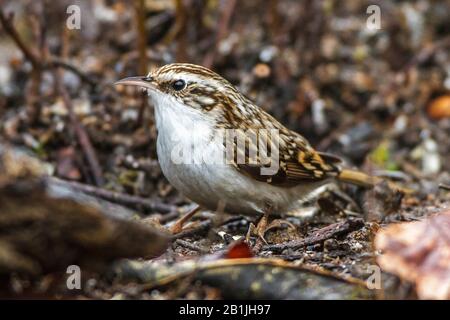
178, 123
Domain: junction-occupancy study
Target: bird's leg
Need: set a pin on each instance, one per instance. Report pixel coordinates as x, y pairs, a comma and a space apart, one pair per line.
264, 226
250, 231
261, 227
178, 225
260, 230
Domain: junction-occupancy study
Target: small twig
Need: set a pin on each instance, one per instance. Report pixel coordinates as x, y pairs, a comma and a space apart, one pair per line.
80, 133
426, 53
201, 228
178, 225
52, 62
318, 236
33, 83
180, 18
38, 66
139, 10
55, 62
191, 246
222, 30
7, 23
423, 55
116, 197
169, 216
274, 20
444, 186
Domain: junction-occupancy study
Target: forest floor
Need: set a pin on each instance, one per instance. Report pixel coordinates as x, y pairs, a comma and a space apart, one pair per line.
380, 99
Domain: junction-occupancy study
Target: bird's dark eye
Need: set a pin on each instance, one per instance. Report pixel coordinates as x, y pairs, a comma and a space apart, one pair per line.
179, 85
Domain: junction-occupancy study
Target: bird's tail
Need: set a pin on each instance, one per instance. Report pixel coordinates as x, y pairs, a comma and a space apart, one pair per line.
358, 178
366, 181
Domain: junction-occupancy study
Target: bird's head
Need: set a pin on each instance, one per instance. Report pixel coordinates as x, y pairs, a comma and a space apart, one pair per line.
192, 86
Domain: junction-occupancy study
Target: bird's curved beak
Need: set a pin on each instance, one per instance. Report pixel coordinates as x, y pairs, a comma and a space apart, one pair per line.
140, 81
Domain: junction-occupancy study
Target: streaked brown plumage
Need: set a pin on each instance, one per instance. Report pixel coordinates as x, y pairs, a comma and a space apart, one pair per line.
191, 99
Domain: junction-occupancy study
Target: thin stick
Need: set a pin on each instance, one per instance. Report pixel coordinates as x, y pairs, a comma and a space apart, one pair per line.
139, 10
80, 133
201, 228
54, 62
32, 86
116, 197
444, 186
30, 55
38, 66
180, 18
222, 31
7, 23
191, 246
330, 231
178, 226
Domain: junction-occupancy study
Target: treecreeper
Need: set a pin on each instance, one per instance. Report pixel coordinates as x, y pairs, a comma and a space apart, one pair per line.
218, 148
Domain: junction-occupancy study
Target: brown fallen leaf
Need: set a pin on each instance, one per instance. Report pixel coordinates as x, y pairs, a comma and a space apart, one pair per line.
419, 252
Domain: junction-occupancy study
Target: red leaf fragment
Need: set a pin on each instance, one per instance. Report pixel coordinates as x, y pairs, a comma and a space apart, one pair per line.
238, 250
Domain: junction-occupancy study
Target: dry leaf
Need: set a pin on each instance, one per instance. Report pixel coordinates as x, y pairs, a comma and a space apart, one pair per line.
419, 252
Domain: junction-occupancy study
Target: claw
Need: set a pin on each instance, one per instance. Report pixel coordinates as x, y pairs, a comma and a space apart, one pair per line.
250, 231
261, 234
262, 227
278, 223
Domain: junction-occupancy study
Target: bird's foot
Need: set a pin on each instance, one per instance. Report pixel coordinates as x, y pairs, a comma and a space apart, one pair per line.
277, 223
261, 229
250, 232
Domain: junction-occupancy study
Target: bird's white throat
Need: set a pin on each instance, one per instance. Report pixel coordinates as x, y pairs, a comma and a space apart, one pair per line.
184, 134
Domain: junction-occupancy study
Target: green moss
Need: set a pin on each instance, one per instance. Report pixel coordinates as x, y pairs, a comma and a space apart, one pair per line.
381, 156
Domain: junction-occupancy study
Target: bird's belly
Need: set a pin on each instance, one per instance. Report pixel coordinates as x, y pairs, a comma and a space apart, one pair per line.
203, 180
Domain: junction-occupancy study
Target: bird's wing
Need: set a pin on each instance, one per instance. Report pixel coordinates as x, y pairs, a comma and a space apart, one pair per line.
296, 161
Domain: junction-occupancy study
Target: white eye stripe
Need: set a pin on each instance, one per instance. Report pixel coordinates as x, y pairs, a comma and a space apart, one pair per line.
205, 100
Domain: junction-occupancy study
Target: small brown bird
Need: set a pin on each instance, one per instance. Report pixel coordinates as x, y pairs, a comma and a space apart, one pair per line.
221, 150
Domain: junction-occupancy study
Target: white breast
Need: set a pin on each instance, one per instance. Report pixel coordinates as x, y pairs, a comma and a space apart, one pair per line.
184, 142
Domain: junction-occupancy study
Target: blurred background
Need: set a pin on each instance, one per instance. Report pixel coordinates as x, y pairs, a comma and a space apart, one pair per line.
366, 80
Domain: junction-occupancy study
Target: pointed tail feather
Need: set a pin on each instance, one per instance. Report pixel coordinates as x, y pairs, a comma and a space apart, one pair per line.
358, 178
366, 181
